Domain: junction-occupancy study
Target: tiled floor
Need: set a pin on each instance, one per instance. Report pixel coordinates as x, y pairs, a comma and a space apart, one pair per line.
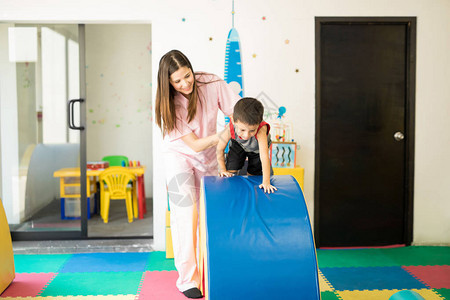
83, 246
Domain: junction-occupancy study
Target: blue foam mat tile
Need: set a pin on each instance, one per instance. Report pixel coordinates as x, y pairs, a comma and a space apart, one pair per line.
106, 262
371, 278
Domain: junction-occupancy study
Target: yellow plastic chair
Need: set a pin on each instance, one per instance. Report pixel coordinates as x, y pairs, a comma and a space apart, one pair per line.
114, 186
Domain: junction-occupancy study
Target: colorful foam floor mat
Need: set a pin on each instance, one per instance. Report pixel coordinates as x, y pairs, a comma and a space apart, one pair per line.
348, 274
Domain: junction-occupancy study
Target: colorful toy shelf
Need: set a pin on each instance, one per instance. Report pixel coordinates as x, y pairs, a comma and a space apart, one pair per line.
283, 154
70, 195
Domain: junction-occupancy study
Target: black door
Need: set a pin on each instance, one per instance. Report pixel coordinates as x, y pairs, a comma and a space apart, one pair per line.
364, 131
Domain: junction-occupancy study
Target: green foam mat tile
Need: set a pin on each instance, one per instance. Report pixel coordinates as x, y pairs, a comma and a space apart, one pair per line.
444, 293
40, 263
346, 258
419, 255
96, 283
328, 296
384, 257
157, 261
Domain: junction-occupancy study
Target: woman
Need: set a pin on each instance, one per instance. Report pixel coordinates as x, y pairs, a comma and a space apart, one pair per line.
186, 111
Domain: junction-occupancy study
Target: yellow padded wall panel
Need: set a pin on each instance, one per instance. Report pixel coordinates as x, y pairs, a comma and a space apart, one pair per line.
169, 246
297, 172
7, 273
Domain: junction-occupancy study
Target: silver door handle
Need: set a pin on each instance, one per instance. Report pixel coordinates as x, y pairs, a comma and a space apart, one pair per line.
398, 136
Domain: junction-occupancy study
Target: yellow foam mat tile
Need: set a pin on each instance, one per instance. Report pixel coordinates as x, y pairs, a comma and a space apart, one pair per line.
324, 284
383, 294
103, 297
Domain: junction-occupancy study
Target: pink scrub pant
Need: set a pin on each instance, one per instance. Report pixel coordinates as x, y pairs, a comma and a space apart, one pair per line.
183, 184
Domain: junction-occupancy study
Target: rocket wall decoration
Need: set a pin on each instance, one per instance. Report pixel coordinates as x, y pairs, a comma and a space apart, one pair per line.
233, 61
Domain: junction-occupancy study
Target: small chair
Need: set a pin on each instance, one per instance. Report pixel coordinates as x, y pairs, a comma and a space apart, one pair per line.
116, 160
114, 185
141, 190
142, 204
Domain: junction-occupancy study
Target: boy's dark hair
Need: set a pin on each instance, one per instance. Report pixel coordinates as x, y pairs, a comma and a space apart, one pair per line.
248, 111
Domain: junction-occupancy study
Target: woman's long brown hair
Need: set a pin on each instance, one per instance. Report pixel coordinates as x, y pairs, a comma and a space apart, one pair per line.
165, 93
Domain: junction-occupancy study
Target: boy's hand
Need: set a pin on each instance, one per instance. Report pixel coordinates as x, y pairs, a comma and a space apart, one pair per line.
225, 174
268, 188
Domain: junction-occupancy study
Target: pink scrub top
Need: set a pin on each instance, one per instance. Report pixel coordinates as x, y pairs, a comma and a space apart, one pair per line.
213, 96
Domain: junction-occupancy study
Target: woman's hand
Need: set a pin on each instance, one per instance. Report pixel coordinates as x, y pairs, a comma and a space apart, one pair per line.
224, 137
199, 144
225, 174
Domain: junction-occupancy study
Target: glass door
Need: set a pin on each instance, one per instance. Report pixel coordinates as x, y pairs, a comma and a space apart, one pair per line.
118, 80
42, 117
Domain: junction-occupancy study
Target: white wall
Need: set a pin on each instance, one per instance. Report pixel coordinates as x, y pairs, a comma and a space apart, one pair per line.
119, 106
269, 65
9, 155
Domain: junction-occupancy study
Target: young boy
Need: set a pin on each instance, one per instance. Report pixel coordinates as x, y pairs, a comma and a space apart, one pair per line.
250, 139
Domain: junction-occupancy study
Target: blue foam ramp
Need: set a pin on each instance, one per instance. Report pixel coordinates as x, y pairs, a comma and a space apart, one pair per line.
255, 245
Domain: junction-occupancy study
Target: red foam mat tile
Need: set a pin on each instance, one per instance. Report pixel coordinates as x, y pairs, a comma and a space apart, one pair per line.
436, 277
160, 285
27, 284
